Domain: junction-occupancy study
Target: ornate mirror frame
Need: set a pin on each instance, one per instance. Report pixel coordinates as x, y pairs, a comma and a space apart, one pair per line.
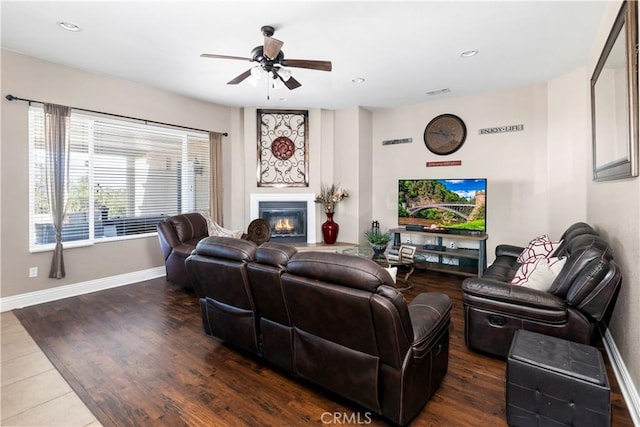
614, 100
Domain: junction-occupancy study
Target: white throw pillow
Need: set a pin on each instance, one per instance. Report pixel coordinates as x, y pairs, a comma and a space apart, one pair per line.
393, 271
538, 273
540, 247
216, 230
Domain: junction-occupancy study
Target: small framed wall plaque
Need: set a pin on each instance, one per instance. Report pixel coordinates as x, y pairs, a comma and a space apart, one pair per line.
283, 148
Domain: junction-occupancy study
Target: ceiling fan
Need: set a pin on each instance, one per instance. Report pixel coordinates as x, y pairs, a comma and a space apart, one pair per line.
271, 60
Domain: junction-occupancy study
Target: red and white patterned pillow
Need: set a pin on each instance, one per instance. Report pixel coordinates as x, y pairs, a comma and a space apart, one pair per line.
538, 273
540, 247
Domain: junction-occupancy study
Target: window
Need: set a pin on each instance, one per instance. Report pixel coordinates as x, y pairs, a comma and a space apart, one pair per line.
124, 178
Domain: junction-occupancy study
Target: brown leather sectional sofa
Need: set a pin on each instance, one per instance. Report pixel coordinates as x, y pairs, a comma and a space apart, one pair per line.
581, 296
336, 320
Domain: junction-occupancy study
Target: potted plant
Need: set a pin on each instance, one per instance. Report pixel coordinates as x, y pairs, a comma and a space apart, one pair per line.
378, 241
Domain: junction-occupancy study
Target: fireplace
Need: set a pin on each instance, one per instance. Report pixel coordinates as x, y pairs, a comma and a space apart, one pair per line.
287, 222
287, 219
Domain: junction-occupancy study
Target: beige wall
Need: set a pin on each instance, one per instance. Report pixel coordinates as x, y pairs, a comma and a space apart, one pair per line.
515, 163
31, 78
352, 170
613, 207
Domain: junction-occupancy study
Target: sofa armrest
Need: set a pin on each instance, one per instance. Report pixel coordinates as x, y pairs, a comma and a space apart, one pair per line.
517, 300
429, 313
508, 250
167, 237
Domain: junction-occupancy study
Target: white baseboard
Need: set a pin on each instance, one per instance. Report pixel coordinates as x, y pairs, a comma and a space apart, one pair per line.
53, 294
627, 387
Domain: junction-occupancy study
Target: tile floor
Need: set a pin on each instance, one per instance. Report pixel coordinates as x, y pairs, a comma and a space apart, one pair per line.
33, 392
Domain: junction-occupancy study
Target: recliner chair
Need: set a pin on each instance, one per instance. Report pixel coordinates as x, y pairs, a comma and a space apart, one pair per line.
355, 334
218, 267
276, 329
178, 236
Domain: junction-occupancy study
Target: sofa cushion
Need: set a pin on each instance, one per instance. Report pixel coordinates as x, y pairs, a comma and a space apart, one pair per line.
275, 254
189, 226
346, 270
538, 273
539, 247
227, 248
591, 276
502, 269
574, 268
576, 230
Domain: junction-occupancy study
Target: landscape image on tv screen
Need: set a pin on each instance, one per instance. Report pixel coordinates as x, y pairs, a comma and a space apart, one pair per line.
443, 204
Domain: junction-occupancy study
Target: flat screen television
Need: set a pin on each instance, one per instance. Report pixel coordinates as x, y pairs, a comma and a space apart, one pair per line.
443, 205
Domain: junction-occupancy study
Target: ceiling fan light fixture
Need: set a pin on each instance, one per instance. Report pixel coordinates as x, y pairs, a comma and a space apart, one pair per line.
284, 73
254, 78
276, 83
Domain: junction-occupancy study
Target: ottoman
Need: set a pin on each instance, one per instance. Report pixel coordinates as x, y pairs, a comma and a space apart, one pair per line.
555, 382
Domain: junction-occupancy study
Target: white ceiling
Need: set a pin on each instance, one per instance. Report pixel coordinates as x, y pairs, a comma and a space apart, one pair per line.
402, 49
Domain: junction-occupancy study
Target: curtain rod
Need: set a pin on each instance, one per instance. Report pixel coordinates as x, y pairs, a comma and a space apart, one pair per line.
15, 98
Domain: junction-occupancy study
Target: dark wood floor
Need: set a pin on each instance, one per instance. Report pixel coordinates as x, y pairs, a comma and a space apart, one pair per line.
137, 356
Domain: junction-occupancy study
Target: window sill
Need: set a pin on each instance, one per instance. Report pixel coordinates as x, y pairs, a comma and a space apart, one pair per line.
87, 243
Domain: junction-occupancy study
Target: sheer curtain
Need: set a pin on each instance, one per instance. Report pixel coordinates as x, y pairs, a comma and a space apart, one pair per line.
215, 162
57, 148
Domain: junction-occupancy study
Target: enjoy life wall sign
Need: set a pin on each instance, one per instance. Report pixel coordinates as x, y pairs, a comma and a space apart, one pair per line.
501, 129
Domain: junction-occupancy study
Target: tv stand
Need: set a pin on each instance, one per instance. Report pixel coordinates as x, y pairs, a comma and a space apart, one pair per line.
469, 262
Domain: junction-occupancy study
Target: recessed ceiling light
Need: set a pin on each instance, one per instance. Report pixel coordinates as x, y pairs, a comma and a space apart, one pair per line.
469, 53
283, 99
439, 91
68, 26
357, 80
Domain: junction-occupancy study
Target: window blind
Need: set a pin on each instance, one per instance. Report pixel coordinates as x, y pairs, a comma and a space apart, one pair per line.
124, 178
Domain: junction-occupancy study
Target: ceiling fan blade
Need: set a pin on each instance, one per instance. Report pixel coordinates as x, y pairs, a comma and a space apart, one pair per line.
211, 55
272, 47
304, 63
240, 78
292, 83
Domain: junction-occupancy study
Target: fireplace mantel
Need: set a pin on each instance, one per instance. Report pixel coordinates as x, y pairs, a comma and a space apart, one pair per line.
309, 198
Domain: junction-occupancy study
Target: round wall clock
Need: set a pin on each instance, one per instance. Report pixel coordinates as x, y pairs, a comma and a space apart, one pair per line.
445, 134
